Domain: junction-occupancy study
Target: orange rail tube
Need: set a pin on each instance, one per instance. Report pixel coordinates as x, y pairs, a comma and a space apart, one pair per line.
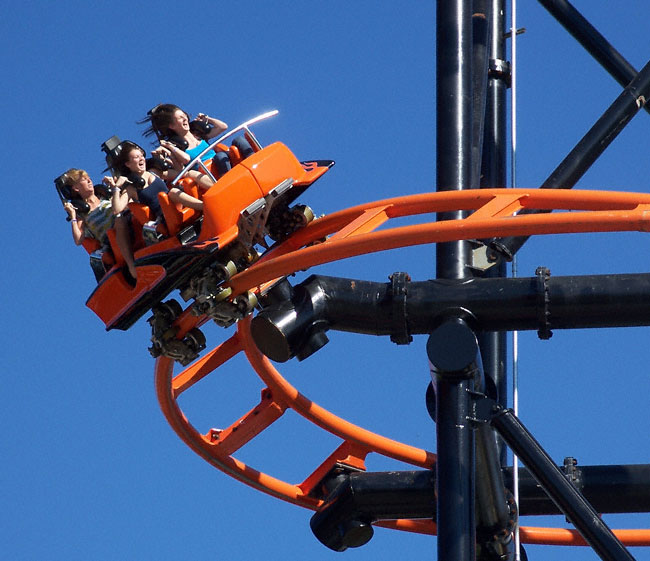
323, 418
493, 216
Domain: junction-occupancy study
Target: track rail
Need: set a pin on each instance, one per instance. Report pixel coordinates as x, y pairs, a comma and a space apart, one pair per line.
353, 232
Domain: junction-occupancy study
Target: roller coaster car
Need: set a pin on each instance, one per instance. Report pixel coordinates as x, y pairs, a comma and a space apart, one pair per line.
196, 252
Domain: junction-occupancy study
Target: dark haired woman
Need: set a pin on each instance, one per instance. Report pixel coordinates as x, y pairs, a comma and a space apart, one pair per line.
172, 127
137, 184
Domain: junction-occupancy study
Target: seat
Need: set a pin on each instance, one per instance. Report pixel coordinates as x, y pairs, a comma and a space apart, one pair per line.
177, 216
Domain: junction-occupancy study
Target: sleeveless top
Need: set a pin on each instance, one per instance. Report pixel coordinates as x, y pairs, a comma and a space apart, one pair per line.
194, 152
99, 221
149, 196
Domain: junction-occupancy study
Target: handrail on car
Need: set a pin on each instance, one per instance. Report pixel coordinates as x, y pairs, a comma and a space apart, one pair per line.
243, 126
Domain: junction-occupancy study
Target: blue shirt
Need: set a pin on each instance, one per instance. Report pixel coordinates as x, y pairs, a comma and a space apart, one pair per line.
194, 152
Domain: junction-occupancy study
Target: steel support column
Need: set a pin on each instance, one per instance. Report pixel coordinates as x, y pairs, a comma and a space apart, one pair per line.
453, 354
454, 128
493, 344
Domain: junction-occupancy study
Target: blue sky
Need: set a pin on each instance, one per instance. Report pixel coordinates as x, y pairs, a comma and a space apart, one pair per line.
90, 468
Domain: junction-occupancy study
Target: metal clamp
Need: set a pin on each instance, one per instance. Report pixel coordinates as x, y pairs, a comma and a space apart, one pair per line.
399, 288
543, 302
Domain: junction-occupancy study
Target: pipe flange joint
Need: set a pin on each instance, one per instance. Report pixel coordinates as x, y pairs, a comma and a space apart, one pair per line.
399, 319
543, 303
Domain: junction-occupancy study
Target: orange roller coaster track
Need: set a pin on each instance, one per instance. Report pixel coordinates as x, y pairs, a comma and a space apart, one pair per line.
353, 232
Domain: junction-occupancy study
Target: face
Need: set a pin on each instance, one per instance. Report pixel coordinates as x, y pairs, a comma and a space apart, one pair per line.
136, 161
84, 187
180, 124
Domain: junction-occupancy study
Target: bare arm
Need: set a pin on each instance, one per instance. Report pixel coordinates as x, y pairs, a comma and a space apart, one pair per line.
120, 199
179, 157
77, 224
178, 196
217, 126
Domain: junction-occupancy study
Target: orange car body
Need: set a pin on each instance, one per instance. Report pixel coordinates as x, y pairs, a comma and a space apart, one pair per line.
193, 239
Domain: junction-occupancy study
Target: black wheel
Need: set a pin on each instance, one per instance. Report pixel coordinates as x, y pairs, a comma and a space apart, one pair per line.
170, 309
195, 340
173, 308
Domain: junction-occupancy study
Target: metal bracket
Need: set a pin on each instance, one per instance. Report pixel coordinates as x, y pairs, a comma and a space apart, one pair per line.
399, 289
543, 301
500, 70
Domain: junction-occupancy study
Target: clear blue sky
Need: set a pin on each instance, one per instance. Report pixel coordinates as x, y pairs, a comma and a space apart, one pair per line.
90, 469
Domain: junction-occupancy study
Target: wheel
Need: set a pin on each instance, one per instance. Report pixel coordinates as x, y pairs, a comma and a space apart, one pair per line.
195, 340
252, 300
303, 214
225, 271
223, 294
170, 309
246, 303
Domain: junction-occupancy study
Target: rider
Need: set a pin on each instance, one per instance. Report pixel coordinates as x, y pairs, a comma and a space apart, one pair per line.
136, 183
177, 136
100, 217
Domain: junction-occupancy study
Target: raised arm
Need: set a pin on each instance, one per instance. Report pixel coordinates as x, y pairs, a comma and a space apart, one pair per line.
120, 199
217, 126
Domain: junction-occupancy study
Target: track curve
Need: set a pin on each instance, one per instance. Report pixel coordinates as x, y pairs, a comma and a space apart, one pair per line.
350, 233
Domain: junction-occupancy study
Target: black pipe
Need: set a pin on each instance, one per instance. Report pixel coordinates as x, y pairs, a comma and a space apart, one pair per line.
493, 344
493, 528
453, 354
609, 489
453, 122
576, 508
454, 129
361, 498
481, 34
541, 303
354, 501
592, 40
585, 153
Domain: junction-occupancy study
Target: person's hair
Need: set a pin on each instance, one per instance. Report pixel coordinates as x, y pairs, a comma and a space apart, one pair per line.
125, 148
159, 119
74, 175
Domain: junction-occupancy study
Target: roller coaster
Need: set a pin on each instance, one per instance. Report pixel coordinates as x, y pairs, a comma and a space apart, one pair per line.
463, 491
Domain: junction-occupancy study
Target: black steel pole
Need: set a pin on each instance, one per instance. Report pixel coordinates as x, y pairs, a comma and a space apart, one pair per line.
557, 486
453, 122
454, 128
586, 152
542, 303
608, 488
453, 354
493, 344
481, 47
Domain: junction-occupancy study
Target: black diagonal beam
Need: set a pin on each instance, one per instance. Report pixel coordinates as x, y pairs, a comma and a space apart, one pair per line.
585, 153
592, 40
